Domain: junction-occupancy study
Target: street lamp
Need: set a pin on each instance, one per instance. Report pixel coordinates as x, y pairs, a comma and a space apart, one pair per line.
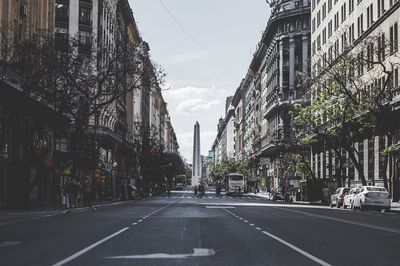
113, 176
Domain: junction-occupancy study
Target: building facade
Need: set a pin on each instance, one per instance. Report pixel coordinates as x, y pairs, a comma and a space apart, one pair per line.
366, 29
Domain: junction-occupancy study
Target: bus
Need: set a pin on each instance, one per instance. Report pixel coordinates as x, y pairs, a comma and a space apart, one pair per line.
234, 183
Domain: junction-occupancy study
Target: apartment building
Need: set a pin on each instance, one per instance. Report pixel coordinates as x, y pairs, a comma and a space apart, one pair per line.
365, 28
280, 66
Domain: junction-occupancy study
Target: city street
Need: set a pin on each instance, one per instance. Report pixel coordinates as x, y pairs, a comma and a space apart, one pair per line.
184, 230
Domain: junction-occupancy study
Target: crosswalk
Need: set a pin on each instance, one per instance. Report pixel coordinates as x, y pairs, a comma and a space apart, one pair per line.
223, 197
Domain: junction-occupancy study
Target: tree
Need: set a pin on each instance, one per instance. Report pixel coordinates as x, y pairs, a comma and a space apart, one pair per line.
219, 170
81, 78
350, 98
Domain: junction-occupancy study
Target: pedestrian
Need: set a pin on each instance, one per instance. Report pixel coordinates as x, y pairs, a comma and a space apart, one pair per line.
67, 191
75, 189
86, 191
218, 189
195, 191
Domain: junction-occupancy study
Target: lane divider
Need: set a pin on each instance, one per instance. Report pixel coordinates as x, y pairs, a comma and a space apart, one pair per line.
92, 246
291, 246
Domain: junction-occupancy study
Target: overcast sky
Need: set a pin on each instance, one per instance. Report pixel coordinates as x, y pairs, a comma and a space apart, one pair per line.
205, 48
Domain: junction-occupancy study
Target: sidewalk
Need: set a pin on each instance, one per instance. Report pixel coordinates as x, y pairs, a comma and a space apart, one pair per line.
16, 216
395, 207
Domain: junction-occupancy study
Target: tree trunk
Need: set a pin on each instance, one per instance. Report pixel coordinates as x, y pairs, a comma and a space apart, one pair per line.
357, 165
386, 163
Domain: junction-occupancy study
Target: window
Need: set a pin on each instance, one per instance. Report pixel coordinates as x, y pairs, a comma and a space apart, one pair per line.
313, 24
351, 6
329, 5
336, 48
323, 11
330, 54
370, 15
393, 38
313, 48
351, 33
324, 36
370, 55
344, 41
344, 12
61, 144
360, 65
319, 42
360, 28
381, 47
330, 28
396, 78
380, 4
318, 18
84, 16
337, 20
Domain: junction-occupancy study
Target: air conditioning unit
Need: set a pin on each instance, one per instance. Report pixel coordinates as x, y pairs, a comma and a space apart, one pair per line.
23, 10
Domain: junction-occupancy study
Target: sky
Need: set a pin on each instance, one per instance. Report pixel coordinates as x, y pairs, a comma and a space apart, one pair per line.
205, 48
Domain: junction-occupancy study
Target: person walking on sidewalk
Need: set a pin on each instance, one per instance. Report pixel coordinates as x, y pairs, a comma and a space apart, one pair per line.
75, 189
86, 191
67, 190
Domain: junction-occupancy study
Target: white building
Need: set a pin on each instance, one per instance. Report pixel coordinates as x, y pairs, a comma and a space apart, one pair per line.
342, 26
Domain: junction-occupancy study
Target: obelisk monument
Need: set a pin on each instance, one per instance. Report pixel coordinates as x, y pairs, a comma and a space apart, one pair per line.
196, 172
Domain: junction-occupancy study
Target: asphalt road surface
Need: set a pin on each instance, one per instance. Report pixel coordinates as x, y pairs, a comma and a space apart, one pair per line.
184, 230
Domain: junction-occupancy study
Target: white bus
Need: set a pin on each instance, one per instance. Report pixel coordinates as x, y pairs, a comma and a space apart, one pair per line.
234, 183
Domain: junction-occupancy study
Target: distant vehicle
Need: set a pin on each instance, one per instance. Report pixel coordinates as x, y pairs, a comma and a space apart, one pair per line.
349, 198
132, 192
338, 197
234, 183
372, 197
179, 187
277, 194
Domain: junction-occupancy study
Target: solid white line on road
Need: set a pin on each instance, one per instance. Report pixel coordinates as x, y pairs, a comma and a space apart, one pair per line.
83, 251
392, 230
299, 250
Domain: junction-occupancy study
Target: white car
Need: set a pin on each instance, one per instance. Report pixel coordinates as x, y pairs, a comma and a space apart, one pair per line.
349, 198
372, 197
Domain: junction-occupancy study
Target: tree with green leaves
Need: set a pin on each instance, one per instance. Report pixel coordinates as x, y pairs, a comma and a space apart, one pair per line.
351, 99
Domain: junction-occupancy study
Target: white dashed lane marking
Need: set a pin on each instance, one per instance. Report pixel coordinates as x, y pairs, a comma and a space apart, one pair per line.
291, 246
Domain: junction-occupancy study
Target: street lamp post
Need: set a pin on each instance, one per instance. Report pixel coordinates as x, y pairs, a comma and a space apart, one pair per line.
113, 176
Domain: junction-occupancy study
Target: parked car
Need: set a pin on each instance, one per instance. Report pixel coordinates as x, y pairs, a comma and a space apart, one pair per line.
338, 197
372, 197
349, 198
277, 194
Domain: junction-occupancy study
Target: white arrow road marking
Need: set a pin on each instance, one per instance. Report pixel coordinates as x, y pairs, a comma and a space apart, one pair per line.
220, 207
197, 252
7, 244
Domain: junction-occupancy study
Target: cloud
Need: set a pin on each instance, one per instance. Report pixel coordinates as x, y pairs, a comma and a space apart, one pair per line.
180, 58
195, 100
186, 92
196, 105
